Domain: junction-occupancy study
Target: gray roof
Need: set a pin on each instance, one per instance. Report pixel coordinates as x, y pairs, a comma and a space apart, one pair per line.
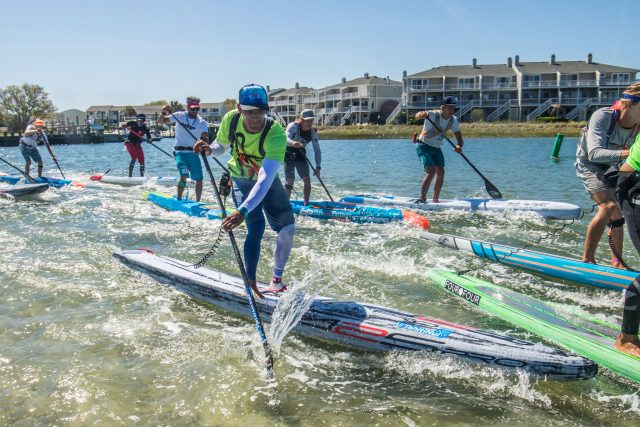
362, 81
465, 70
524, 67
571, 67
100, 108
294, 91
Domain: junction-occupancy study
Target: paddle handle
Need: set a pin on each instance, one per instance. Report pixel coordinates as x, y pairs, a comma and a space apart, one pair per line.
319, 179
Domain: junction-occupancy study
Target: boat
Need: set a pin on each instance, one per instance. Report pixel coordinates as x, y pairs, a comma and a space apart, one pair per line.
52, 182
557, 266
549, 210
589, 337
364, 326
356, 213
128, 181
22, 190
189, 207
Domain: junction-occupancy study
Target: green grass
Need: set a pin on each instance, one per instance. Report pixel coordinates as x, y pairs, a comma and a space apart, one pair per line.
469, 130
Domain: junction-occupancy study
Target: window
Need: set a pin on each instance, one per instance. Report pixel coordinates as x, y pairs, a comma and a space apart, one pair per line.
466, 82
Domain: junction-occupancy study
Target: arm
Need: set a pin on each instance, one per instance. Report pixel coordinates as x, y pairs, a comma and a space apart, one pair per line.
597, 138
163, 118
30, 131
316, 148
293, 135
266, 175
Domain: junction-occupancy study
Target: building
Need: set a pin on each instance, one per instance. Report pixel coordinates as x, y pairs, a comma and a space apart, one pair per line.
367, 99
212, 112
70, 117
114, 114
519, 90
105, 114
288, 103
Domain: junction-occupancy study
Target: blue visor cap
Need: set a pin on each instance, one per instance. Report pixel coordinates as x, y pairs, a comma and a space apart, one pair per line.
450, 100
253, 97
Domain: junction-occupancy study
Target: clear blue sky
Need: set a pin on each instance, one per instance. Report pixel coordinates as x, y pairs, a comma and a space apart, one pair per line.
131, 52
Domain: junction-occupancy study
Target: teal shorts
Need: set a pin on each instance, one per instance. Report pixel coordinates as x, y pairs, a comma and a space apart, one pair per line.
430, 156
189, 164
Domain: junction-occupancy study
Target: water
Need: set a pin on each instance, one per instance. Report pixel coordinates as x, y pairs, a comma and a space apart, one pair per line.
84, 340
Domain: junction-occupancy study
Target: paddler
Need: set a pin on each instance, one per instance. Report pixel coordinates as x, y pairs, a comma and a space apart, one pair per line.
258, 146
430, 142
628, 197
29, 145
190, 128
605, 142
137, 129
300, 133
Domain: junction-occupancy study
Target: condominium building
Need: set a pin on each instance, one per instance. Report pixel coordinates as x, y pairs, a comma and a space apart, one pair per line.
288, 103
361, 100
212, 112
519, 90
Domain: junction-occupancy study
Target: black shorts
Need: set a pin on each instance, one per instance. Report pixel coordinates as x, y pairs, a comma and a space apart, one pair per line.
299, 164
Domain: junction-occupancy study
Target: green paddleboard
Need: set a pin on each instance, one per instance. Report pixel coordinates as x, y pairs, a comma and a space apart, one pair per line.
587, 337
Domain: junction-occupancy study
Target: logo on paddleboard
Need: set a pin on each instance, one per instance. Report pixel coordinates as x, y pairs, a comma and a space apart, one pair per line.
433, 332
454, 288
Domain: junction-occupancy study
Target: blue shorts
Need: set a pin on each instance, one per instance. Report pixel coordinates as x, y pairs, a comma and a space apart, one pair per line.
189, 164
30, 152
430, 156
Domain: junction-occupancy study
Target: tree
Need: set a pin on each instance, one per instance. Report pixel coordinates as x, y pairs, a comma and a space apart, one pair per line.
158, 102
229, 104
22, 104
129, 111
176, 106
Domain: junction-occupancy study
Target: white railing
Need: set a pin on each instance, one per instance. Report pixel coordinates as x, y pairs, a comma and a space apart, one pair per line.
541, 109
499, 111
616, 82
499, 85
394, 113
578, 110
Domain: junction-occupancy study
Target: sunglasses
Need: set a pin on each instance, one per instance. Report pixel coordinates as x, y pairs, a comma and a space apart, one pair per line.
194, 109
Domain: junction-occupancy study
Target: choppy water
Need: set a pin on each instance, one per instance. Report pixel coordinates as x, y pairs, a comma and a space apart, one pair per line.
84, 340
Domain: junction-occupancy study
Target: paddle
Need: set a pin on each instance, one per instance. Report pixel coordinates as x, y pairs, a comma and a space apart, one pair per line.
26, 175
491, 189
46, 142
248, 287
153, 145
319, 179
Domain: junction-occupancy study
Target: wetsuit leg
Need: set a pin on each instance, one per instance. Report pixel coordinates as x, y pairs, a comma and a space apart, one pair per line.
631, 313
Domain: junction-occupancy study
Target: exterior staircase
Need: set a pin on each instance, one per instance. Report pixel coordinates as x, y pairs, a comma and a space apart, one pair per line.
394, 113
541, 109
499, 111
580, 110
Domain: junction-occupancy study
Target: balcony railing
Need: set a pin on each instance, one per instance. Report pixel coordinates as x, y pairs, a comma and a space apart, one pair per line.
616, 82
499, 85
414, 88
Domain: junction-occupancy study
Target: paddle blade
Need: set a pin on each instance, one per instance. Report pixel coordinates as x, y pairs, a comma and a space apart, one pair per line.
492, 190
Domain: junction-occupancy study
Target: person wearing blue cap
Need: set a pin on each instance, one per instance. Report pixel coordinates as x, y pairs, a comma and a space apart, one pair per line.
258, 145
430, 142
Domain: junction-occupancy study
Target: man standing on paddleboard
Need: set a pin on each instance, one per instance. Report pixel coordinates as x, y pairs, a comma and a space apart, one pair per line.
605, 142
301, 133
190, 128
258, 145
29, 145
133, 143
429, 146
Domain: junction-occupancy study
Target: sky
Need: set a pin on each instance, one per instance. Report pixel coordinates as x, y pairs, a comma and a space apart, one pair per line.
131, 52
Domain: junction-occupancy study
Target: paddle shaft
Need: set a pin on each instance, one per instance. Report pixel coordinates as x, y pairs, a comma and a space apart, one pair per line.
319, 179
491, 189
243, 273
26, 175
46, 141
196, 139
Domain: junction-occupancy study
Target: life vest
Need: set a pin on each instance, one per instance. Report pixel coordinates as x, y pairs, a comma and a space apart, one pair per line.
237, 140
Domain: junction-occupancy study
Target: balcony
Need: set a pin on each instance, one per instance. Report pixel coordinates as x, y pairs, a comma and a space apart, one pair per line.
430, 87
499, 85
578, 83
616, 82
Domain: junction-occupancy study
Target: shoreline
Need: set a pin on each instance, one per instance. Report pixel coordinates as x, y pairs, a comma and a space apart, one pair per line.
469, 130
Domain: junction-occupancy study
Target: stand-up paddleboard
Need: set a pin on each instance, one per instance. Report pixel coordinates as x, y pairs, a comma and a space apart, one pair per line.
550, 210
539, 262
52, 182
365, 326
127, 181
22, 190
589, 338
359, 214
189, 207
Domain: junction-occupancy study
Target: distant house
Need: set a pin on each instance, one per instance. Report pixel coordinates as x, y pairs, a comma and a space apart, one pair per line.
105, 114
288, 103
519, 90
362, 100
70, 117
212, 112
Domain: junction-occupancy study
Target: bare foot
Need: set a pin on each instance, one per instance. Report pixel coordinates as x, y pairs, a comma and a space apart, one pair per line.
589, 261
436, 200
628, 344
616, 263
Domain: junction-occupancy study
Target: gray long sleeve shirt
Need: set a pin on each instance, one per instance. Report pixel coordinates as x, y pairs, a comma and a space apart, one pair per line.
594, 145
293, 135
